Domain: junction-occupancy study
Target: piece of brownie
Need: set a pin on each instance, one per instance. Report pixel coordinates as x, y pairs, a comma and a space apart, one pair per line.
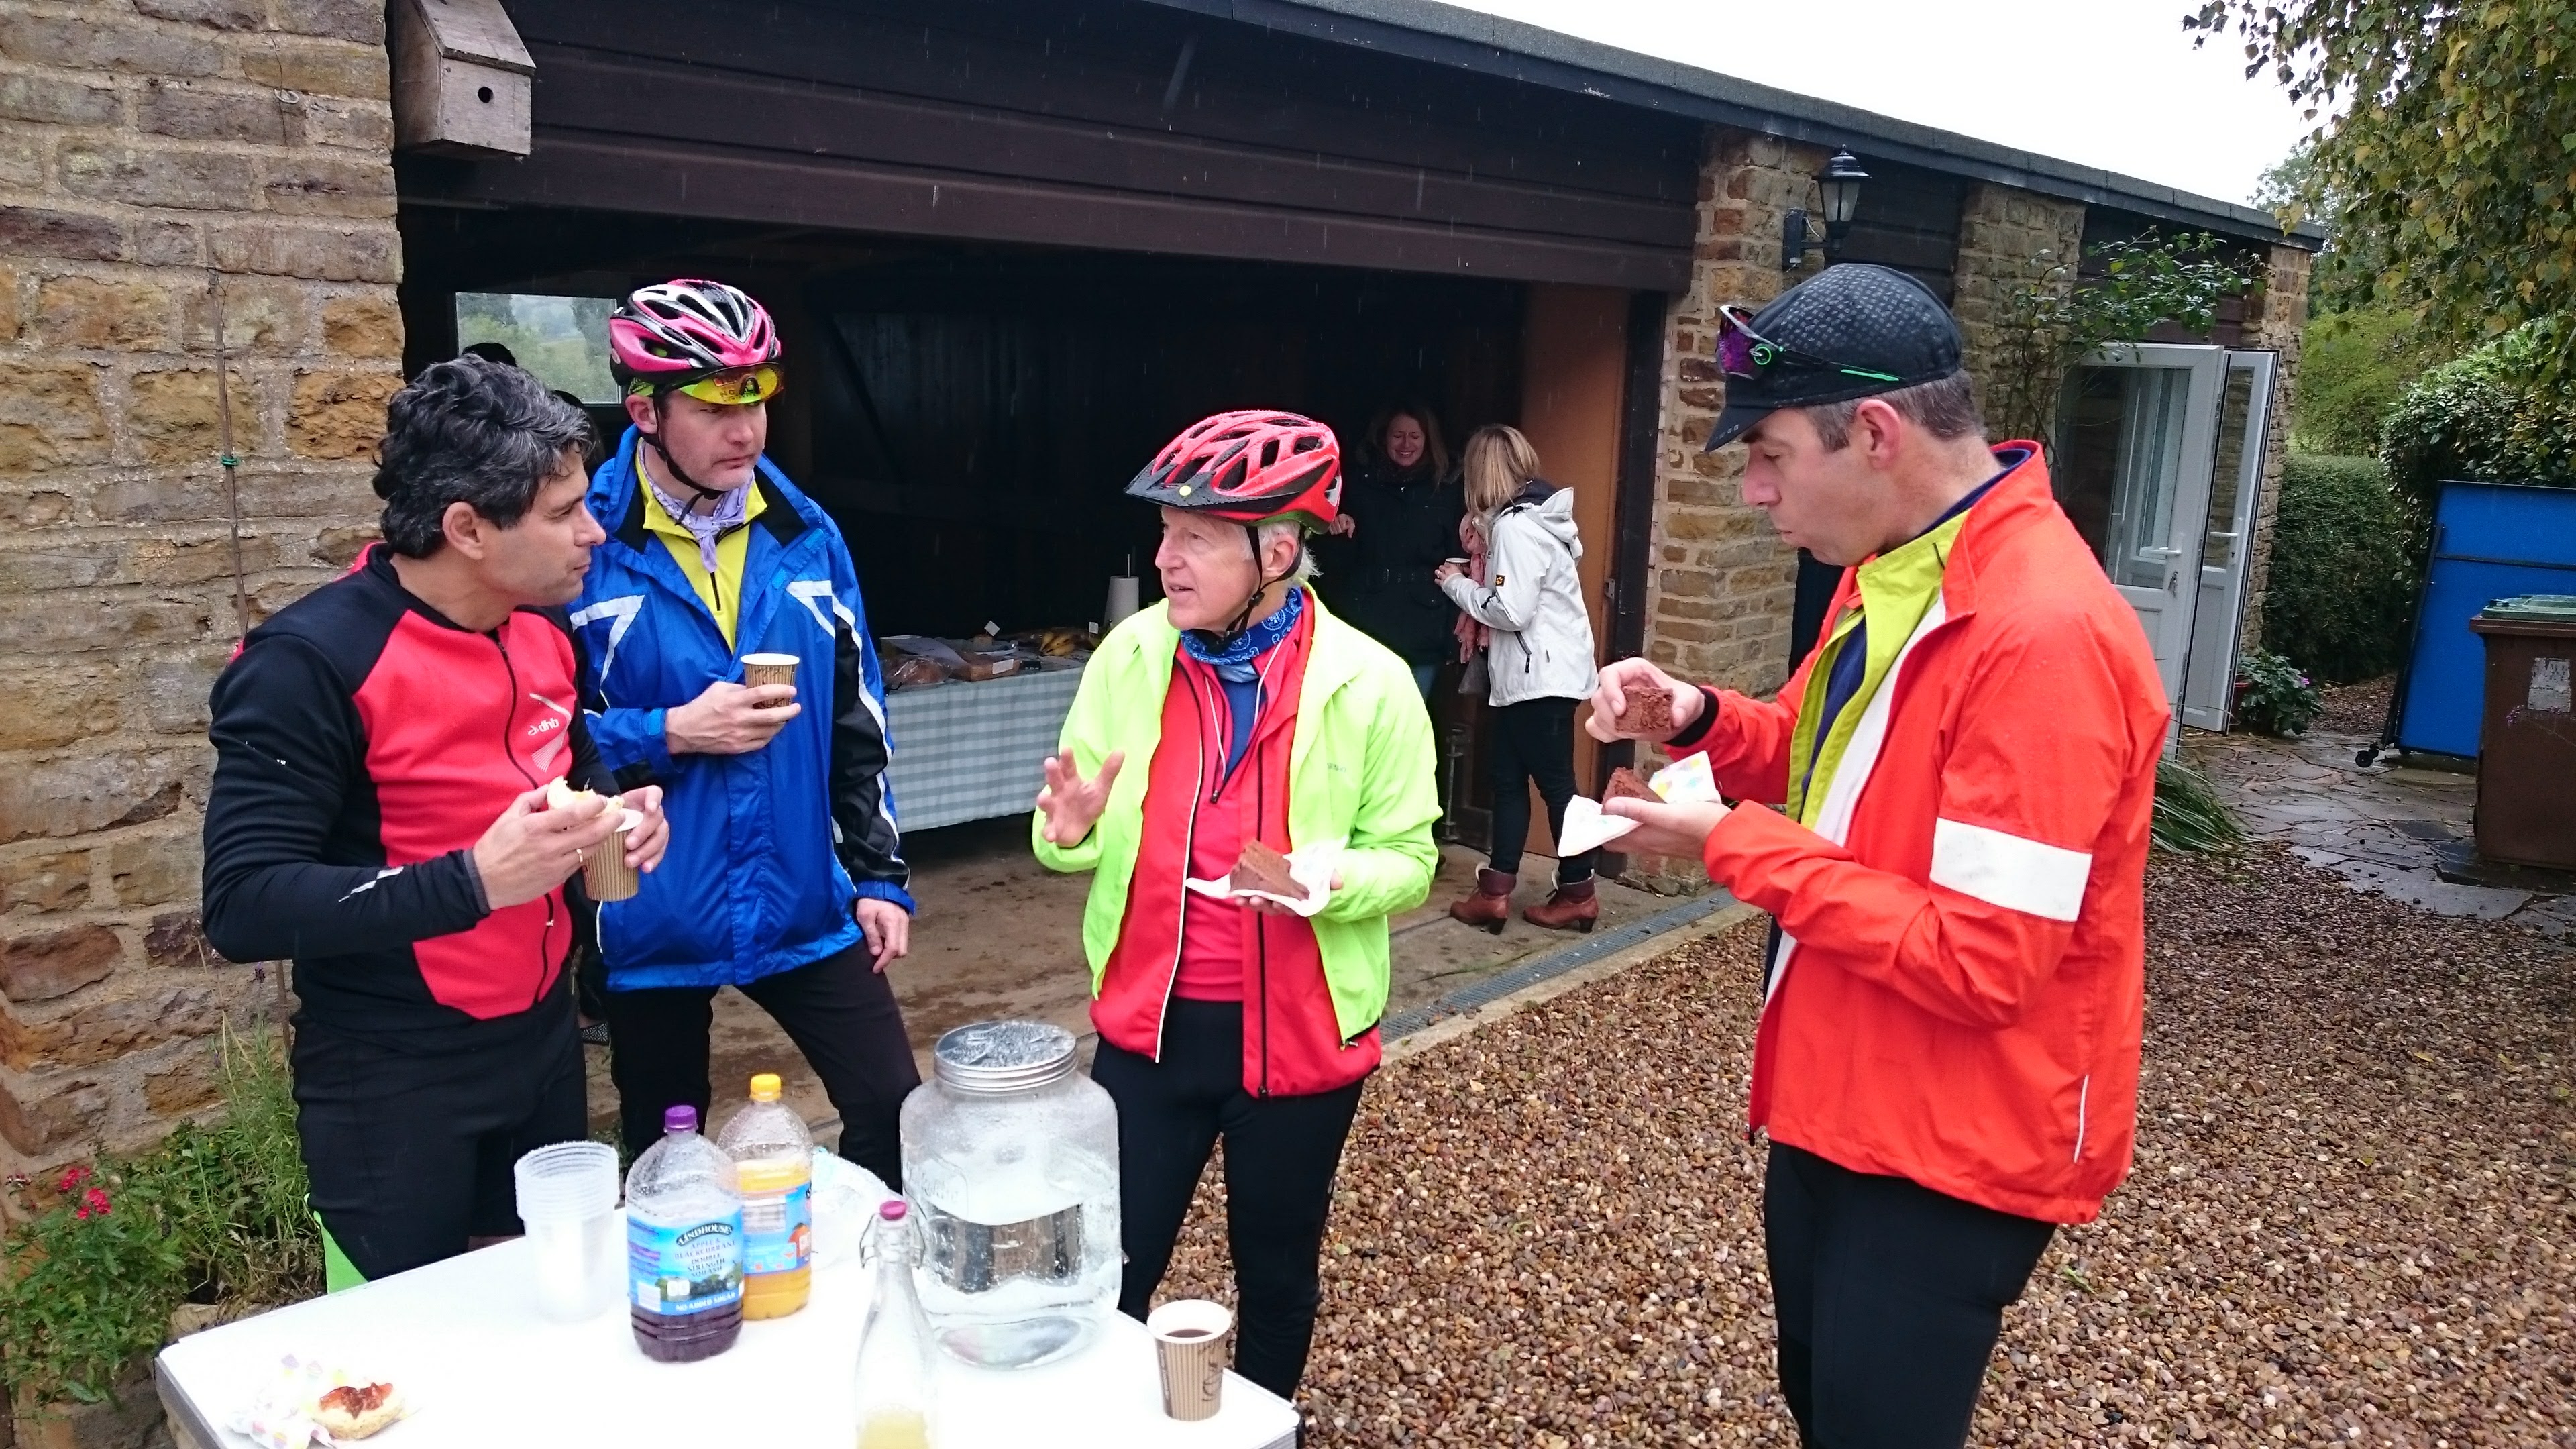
1624, 785
1265, 870
1650, 712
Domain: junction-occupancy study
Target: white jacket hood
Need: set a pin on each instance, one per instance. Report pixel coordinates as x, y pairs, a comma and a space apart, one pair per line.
1532, 599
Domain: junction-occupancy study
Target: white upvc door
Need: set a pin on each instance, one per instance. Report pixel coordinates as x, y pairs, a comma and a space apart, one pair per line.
2235, 496
2136, 448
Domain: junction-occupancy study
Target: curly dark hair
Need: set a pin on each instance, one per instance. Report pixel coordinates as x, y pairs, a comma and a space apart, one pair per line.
469, 431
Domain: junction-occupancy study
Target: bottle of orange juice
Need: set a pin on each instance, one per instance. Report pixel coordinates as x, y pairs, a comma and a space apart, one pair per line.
773, 1163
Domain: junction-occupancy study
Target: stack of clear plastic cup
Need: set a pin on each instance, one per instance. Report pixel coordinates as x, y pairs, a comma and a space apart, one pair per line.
568, 1200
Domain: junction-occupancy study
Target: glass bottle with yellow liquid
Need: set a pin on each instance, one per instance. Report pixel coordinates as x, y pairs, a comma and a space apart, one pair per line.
773, 1163
894, 1391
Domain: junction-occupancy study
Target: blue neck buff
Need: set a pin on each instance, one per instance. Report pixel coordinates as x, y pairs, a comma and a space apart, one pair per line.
1233, 659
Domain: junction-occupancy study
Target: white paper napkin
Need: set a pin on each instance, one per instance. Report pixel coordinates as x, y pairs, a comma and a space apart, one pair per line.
1587, 828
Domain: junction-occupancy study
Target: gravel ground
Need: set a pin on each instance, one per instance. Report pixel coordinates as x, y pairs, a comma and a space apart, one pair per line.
2349, 1222
2356, 709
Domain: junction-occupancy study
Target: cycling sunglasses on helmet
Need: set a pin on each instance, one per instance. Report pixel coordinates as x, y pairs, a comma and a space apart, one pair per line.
726, 389
1745, 353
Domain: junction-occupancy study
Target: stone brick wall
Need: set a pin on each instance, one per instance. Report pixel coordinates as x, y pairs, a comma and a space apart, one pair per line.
1718, 601
144, 146
2001, 230
1720, 594
2278, 321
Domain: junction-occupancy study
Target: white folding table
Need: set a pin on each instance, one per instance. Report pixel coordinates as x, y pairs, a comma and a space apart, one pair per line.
481, 1367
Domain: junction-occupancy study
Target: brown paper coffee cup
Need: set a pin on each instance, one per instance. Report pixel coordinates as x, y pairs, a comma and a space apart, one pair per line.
759, 669
604, 872
1191, 1338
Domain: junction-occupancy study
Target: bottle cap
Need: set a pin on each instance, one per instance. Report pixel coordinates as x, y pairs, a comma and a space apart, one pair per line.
682, 1118
764, 1088
892, 1210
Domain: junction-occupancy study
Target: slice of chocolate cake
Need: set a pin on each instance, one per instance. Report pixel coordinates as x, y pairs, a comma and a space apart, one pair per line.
1265, 870
1624, 784
1649, 713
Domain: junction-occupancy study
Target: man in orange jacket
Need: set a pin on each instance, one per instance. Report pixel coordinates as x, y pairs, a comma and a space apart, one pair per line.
1963, 770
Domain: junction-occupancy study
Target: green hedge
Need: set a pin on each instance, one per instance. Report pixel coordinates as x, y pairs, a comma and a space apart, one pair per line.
2342, 587
2498, 415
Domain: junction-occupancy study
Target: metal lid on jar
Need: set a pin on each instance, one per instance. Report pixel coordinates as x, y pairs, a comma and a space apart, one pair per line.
997, 1058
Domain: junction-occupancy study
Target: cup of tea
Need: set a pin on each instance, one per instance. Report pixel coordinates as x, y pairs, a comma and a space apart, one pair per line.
604, 871
760, 669
1191, 1336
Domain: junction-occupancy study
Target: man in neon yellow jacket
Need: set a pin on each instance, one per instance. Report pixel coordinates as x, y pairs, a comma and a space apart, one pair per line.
1261, 718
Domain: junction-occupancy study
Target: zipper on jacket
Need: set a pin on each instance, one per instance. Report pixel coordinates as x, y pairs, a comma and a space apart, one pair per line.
1261, 933
509, 716
1189, 839
2083, 1095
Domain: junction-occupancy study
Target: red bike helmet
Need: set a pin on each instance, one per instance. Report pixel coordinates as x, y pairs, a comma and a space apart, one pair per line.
1249, 467
674, 333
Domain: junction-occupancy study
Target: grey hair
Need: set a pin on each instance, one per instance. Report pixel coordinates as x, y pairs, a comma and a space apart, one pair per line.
1945, 407
1305, 570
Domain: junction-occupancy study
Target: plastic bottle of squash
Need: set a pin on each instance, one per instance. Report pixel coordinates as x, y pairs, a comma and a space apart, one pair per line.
773, 1163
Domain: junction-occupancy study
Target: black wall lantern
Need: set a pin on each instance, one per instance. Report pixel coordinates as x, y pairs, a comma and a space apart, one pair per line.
1840, 187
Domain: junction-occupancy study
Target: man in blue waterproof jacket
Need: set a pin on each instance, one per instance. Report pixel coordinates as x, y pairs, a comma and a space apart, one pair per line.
785, 879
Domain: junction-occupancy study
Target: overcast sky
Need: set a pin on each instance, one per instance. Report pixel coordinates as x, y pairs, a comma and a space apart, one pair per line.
2109, 83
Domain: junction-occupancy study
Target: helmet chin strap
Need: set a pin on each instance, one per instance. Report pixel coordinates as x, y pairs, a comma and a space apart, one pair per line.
1243, 616
671, 465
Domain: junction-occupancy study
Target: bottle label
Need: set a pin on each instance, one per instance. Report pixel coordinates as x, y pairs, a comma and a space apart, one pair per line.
684, 1269
778, 1230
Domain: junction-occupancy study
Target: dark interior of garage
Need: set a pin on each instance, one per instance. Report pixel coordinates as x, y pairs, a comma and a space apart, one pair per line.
970, 414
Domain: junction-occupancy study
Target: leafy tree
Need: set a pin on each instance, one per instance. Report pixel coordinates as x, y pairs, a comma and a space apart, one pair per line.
2455, 150
2353, 367
2344, 275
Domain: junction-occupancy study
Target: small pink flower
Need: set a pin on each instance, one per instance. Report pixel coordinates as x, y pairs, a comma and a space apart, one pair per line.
72, 1177
94, 1201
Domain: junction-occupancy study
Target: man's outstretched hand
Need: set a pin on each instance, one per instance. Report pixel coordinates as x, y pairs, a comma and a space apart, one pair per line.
1630, 677
1072, 804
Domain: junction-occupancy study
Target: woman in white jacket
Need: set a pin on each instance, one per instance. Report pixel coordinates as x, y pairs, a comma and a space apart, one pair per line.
1538, 667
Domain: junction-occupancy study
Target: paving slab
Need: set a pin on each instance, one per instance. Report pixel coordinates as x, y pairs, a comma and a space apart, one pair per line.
2382, 828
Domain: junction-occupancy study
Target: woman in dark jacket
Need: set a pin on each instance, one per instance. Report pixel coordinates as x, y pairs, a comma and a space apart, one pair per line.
1400, 511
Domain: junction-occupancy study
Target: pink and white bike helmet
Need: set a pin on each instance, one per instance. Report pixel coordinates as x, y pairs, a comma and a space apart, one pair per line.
673, 334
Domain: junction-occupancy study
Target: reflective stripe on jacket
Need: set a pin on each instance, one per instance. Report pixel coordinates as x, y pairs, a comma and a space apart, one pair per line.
1959, 993
1358, 771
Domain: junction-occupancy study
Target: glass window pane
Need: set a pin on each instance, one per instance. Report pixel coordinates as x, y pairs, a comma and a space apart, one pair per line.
2120, 462
2236, 408
563, 340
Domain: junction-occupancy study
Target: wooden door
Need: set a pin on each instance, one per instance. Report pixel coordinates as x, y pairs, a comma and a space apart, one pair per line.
1574, 351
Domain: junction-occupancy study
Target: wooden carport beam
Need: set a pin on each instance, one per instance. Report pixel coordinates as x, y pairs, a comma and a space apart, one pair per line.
461, 78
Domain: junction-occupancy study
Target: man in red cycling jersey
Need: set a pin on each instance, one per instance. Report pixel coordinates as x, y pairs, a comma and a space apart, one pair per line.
383, 752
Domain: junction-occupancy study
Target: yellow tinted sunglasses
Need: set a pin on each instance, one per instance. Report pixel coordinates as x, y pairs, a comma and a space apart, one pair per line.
729, 389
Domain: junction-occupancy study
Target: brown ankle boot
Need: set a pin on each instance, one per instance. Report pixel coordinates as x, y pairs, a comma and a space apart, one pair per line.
1571, 905
1490, 904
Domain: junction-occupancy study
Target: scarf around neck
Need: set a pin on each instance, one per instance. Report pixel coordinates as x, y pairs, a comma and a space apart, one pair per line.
1233, 661
706, 528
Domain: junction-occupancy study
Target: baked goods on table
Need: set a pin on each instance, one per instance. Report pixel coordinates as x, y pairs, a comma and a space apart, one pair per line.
354, 1411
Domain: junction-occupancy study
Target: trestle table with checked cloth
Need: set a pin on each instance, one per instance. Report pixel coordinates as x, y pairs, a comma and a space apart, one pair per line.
974, 749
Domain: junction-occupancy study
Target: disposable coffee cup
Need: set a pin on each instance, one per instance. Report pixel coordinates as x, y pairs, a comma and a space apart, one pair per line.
760, 669
604, 872
1191, 1339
